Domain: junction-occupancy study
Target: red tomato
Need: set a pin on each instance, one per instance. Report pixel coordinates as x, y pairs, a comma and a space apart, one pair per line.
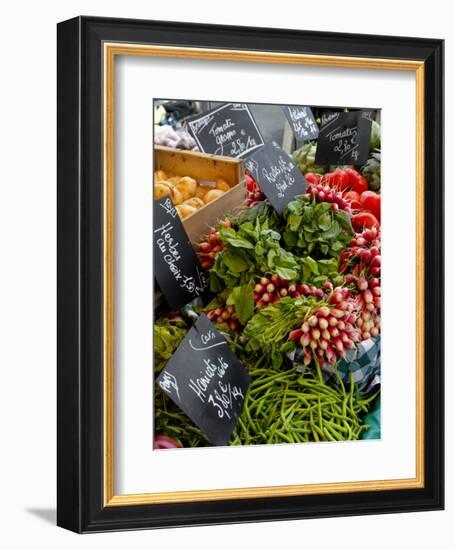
165, 442
353, 199
250, 183
371, 201
311, 177
352, 196
356, 181
338, 179
360, 185
364, 220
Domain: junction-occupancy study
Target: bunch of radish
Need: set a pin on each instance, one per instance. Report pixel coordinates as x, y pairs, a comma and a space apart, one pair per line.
329, 330
341, 179
269, 290
255, 194
363, 256
224, 316
211, 245
325, 193
369, 307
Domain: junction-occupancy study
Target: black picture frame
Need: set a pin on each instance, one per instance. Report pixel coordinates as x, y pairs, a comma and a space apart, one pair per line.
80, 477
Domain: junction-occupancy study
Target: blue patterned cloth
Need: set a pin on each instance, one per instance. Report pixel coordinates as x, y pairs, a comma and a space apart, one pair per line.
364, 362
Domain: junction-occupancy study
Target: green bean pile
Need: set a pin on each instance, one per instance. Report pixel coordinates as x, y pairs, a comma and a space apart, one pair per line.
288, 407
170, 420
280, 407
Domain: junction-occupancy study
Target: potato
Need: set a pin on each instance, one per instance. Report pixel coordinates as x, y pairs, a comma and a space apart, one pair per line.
160, 175
213, 195
197, 203
177, 197
174, 180
202, 190
222, 184
187, 186
185, 210
161, 189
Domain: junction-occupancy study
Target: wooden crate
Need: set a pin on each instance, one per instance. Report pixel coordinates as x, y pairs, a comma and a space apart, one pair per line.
201, 166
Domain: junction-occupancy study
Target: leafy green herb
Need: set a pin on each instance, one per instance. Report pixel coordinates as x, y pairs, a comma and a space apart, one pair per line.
315, 229
167, 335
242, 300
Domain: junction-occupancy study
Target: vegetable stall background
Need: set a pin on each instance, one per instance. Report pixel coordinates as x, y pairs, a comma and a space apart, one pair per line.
297, 296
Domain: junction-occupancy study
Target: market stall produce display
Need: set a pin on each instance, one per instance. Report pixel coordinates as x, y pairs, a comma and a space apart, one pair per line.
293, 294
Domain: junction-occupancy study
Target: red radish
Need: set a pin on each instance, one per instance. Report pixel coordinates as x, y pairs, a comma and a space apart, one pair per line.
313, 321
315, 333
376, 261
374, 282
323, 344
283, 292
313, 344
305, 327
305, 339
333, 321
270, 288
165, 442
233, 325
374, 251
338, 313
323, 323
266, 297
295, 334
318, 293
323, 311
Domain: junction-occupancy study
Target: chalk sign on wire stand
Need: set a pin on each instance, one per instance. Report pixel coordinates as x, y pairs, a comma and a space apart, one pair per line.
302, 122
344, 138
177, 268
229, 130
207, 381
277, 175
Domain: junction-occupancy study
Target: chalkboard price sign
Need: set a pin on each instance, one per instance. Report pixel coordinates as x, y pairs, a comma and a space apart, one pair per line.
229, 130
344, 138
207, 381
277, 175
302, 122
177, 269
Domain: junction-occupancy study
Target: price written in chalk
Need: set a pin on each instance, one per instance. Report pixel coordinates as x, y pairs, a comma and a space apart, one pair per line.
207, 381
344, 138
302, 122
277, 175
229, 130
177, 269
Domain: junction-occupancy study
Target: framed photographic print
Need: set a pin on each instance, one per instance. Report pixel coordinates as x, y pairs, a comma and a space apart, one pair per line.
250, 274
